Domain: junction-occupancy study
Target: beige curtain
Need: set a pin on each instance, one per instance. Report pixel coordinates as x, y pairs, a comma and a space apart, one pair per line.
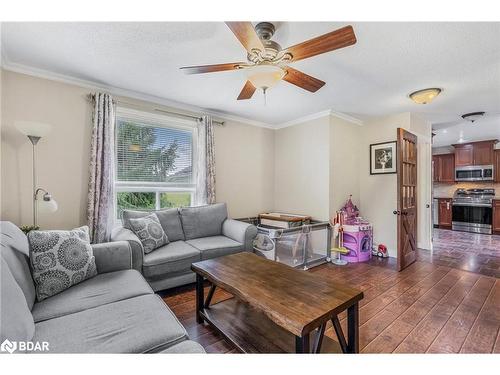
205, 177
101, 194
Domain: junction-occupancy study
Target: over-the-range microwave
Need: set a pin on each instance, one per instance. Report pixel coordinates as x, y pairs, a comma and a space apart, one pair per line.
474, 173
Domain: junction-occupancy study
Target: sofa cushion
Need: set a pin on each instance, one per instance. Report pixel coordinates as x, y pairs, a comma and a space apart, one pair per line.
169, 220
59, 259
15, 251
172, 258
148, 229
16, 321
185, 347
99, 290
216, 246
136, 325
203, 221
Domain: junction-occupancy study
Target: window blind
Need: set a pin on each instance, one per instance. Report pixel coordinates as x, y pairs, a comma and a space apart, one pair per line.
148, 153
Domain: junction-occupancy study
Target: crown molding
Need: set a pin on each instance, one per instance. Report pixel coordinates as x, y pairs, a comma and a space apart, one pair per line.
346, 117
314, 116
41, 73
300, 120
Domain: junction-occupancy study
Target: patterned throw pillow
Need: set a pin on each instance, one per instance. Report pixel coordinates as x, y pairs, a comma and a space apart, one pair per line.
149, 231
60, 259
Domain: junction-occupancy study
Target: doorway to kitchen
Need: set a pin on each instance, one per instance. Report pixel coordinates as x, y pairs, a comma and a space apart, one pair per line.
466, 204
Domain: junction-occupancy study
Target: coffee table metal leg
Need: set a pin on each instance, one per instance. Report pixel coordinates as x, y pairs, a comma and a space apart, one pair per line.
199, 298
209, 296
318, 339
353, 329
302, 344
340, 334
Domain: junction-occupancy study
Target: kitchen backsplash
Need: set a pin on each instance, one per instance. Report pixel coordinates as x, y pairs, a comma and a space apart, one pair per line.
447, 190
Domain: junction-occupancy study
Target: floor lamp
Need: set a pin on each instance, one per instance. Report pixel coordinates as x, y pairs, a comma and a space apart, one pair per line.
35, 131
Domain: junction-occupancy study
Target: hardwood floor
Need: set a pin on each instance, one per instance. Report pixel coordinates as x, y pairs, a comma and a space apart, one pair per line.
479, 253
426, 308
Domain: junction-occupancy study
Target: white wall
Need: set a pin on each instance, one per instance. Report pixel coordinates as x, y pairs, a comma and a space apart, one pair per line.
379, 192
302, 168
244, 154
422, 129
344, 163
244, 160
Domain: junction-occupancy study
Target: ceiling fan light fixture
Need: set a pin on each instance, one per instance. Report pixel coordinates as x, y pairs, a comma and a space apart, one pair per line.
425, 96
473, 116
264, 76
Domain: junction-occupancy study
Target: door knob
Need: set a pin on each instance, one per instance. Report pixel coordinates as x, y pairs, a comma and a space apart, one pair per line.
396, 212
427, 206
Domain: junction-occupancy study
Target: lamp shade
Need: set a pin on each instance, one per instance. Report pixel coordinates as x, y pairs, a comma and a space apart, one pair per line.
264, 76
32, 128
47, 206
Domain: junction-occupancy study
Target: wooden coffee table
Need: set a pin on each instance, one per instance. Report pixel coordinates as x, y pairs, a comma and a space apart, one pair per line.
276, 308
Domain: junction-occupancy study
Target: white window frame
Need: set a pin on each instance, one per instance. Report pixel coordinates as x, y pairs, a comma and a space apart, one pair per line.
157, 120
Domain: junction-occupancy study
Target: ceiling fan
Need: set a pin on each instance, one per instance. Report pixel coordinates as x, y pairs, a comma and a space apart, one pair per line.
267, 63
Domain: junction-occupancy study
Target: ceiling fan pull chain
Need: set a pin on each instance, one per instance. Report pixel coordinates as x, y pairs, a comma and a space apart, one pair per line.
264, 90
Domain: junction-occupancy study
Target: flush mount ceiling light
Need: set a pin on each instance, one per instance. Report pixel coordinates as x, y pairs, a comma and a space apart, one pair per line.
425, 96
473, 116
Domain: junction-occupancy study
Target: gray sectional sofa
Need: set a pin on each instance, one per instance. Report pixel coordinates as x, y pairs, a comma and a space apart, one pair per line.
113, 312
195, 233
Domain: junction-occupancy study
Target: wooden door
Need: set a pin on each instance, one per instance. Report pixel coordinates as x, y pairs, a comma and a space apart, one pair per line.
407, 198
447, 168
483, 153
464, 155
445, 213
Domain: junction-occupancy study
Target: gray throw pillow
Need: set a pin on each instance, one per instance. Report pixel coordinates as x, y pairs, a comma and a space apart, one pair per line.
149, 231
60, 259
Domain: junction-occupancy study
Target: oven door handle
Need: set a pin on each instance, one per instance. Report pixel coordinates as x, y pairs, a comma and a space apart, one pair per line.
472, 204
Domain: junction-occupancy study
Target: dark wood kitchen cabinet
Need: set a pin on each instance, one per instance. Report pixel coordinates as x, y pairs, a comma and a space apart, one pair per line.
444, 213
475, 153
464, 155
496, 216
444, 168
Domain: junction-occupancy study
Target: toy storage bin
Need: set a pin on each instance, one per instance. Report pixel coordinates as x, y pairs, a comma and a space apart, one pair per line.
300, 247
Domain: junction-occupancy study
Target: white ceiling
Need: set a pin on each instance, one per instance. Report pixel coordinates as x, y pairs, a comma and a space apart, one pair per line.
466, 131
371, 78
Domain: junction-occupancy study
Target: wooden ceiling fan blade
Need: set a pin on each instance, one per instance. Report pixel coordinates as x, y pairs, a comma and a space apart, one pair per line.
325, 43
246, 34
302, 80
247, 91
211, 68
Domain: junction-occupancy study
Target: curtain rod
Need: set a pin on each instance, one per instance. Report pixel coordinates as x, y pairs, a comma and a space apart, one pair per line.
198, 118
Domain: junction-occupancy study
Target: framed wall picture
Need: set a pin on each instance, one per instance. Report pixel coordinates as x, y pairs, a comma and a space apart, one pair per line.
383, 158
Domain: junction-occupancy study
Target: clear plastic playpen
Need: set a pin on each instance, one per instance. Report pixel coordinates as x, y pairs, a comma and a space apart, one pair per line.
303, 246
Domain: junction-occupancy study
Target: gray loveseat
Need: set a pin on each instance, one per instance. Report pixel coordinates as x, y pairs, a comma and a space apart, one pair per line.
113, 312
195, 233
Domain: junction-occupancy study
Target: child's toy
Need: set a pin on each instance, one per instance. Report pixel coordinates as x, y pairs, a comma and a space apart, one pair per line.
338, 234
357, 234
381, 251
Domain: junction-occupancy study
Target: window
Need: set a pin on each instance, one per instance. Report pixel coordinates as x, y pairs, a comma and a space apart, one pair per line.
154, 161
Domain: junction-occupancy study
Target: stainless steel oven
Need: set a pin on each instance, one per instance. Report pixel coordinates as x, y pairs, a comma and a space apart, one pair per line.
472, 210
474, 173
